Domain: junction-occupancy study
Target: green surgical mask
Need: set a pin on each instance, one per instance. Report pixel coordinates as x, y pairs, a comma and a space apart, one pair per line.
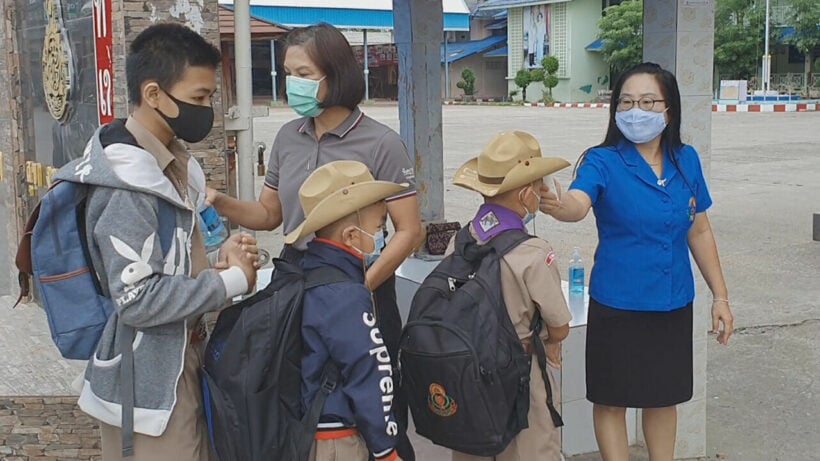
302, 95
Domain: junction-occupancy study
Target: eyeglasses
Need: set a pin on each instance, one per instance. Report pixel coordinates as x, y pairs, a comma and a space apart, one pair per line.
643, 103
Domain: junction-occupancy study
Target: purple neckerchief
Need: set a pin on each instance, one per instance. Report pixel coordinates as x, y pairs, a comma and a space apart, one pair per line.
492, 220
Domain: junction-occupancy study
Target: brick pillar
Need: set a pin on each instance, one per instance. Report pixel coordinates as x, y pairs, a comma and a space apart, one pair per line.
679, 35
11, 149
130, 18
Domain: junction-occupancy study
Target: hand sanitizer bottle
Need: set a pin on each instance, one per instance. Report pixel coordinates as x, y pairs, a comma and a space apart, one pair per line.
576, 272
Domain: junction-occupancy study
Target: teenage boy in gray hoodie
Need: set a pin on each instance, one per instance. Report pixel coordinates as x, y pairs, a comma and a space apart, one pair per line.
133, 165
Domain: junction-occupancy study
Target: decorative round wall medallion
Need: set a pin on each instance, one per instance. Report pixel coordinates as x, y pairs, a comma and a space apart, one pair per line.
58, 75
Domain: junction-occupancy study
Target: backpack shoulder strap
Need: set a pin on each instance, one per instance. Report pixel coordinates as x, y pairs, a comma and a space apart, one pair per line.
541, 355
167, 225
324, 276
506, 241
330, 378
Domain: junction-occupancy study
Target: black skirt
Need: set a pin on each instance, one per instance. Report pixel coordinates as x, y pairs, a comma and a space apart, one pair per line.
638, 359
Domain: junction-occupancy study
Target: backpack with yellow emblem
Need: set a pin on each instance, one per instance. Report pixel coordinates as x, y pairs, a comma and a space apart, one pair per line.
464, 371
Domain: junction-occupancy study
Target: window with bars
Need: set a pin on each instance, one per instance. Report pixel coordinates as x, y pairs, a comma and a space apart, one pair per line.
559, 43
515, 40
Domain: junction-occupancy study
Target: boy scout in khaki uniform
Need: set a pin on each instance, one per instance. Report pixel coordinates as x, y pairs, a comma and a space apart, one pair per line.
509, 174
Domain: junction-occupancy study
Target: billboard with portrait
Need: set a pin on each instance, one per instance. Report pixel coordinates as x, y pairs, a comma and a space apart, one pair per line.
536, 34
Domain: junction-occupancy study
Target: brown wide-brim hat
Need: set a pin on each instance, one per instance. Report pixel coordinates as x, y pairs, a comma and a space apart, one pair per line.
512, 159
336, 190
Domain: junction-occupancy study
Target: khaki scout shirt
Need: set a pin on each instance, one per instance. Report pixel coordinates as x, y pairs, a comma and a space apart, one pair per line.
530, 283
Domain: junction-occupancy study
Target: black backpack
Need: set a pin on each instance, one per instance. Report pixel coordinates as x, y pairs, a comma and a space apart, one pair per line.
251, 377
465, 373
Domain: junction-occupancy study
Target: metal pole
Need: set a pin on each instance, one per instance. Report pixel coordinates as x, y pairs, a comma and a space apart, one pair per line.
244, 100
273, 67
366, 68
766, 58
446, 69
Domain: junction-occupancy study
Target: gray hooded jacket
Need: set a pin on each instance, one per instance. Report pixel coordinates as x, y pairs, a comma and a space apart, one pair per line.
152, 293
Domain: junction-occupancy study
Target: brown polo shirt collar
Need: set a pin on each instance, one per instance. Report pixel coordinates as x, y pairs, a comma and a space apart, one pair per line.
351, 122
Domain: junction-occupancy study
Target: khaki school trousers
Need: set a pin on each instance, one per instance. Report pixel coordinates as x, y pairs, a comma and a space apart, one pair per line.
186, 436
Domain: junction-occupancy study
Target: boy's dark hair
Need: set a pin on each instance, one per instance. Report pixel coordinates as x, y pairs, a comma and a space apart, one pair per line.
332, 54
163, 52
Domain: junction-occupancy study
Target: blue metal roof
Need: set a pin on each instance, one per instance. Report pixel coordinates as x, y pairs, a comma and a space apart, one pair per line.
497, 53
461, 50
344, 17
597, 45
498, 25
500, 4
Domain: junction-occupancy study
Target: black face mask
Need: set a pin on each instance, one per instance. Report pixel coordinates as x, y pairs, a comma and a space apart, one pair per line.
193, 122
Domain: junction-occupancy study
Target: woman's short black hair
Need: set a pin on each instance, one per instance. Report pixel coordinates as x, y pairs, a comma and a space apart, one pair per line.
162, 53
332, 54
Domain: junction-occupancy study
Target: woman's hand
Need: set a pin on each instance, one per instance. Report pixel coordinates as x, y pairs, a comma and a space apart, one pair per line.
722, 313
211, 196
550, 199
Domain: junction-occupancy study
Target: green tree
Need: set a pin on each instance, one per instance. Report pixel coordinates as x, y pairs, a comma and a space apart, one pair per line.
522, 80
621, 29
739, 34
804, 17
550, 79
467, 83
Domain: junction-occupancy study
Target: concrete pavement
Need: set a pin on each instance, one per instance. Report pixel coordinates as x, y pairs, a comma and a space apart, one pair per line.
763, 394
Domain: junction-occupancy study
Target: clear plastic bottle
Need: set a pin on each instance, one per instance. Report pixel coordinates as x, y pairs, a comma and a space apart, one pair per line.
213, 229
576, 272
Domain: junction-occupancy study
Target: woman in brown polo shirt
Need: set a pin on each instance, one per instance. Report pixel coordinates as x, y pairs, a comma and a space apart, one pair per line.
324, 85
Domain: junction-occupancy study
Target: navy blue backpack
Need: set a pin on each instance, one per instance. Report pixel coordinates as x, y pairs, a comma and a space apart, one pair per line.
54, 252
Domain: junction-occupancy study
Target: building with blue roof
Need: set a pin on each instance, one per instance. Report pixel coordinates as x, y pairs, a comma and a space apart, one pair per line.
566, 29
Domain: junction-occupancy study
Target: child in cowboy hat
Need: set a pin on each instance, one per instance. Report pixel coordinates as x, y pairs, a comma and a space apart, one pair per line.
345, 209
509, 173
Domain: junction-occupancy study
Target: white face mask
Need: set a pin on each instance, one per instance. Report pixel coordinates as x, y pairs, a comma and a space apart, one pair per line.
640, 126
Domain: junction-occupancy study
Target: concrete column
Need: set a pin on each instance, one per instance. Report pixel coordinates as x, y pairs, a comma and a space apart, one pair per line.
418, 27
679, 35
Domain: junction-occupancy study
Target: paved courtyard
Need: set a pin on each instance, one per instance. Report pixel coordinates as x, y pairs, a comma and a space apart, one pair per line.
763, 392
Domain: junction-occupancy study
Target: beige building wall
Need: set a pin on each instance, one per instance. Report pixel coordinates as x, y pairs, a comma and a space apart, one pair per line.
490, 76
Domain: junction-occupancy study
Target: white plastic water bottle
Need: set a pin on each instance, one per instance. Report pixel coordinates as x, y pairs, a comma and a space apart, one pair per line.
576, 272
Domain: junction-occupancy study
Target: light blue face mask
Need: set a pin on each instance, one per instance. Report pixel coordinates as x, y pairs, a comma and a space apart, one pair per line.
302, 95
530, 214
378, 244
640, 126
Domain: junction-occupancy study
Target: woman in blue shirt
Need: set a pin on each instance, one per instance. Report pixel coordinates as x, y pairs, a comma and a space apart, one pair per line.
649, 197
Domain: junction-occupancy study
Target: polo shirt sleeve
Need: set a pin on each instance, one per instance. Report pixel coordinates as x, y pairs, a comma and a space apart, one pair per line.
543, 281
591, 176
392, 163
703, 200
272, 175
